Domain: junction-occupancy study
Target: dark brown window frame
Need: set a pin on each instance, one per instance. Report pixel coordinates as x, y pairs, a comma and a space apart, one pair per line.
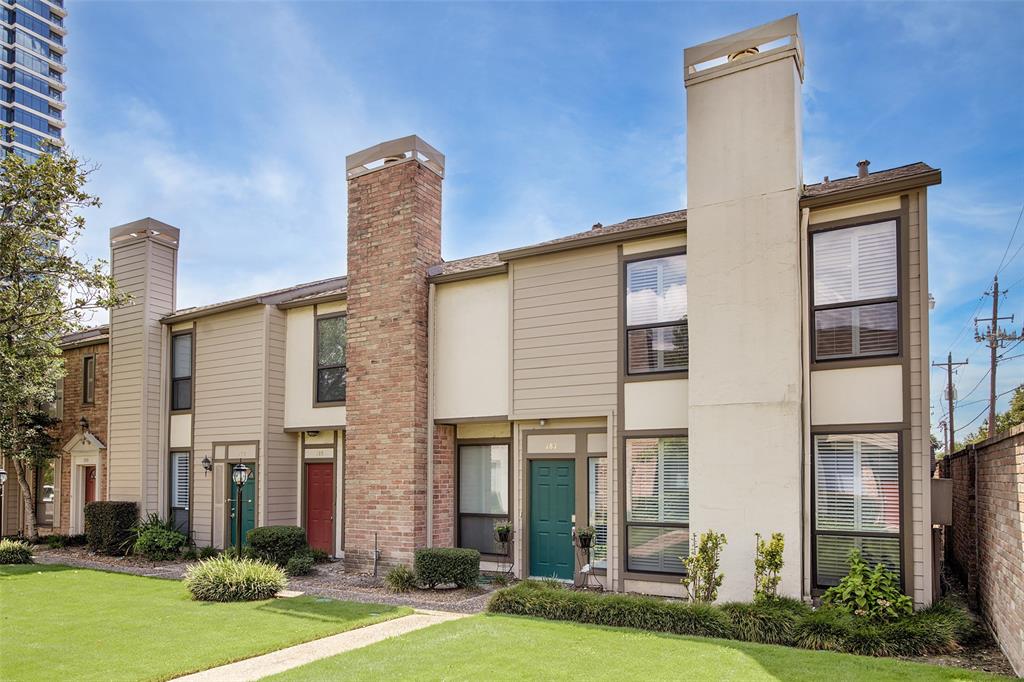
316, 360
600, 570
171, 507
191, 372
858, 360
89, 379
627, 328
459, 442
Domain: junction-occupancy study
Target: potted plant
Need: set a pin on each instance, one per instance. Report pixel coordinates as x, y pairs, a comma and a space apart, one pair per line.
585, 536
503, 531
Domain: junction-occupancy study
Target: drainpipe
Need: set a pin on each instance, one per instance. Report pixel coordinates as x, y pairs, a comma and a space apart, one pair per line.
805, 402
430, 414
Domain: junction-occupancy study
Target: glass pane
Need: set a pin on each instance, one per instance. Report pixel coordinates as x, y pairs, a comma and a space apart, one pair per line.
182, 358
833, 552
44, 494
656, 290
483, 479
182, 396
179, 480
330, 385
857, 485
657, 349
856, 332
658, 480
855, 263
331, 340
597, 474
477, 532
657, 550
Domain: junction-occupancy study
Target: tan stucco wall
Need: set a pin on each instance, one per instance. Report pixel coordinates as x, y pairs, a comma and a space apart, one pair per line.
654, 244
181, 431
859, 208
656, 404
471, 341
861, 395
484, 430
298, 375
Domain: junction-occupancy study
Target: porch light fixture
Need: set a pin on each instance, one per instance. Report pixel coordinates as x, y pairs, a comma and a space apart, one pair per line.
83, 423
3, 478
240, 475
207, 465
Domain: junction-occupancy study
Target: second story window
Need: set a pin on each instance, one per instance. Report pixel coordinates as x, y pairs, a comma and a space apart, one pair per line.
331, 333
657, 337
181, 372
89, 379
856, 313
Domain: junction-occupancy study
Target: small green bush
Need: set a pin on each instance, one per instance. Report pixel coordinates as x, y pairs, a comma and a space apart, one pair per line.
159, 544
276, 544
319, 556
768, 621
56, 541
208, 552
953, 610
824, 630
76, 540
108, 525
443, 565
299, 564
871, 593
702, 578
768, 566
15, 552
190, 554
400, 579
224, 580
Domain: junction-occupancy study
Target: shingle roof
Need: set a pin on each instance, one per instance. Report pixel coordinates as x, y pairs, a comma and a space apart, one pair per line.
308, 289
879, 177
86, 336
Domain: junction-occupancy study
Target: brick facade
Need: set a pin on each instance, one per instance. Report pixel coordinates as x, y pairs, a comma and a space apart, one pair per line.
985, 544
394, 235
444, 486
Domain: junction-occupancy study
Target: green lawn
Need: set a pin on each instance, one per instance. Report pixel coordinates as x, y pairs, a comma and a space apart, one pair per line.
514, 648
58, 622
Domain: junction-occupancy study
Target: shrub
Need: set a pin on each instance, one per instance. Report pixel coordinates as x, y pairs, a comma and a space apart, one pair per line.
319, 556
443, 565
824, 629
872, 593
702, 578
75, 540
953, 610
56, 541
208, 552
159, 544
400, 579
773, 621
299, 564
768, 566
108, 525
15, 552
190, 554
223, 579
276, 544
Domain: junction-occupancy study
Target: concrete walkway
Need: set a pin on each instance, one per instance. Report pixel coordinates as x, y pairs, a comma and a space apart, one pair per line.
292, 657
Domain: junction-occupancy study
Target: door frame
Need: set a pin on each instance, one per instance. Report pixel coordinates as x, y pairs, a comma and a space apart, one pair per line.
333, 462
580, 484
336, 446
229, 497
76, 496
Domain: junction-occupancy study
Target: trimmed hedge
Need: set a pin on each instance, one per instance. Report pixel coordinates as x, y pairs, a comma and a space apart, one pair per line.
223, 579
159, 544
15, 552
276, 544
299, 564
444, 565
770, 621
108, 525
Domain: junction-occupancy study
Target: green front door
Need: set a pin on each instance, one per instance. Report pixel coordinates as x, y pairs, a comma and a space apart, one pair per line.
248, 507
552, 498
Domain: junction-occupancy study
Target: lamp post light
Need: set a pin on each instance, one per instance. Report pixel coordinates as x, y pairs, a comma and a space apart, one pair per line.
3, 478
240, 475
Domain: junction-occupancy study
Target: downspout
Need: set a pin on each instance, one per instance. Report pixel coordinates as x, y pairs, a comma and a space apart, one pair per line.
805, 402
430, 414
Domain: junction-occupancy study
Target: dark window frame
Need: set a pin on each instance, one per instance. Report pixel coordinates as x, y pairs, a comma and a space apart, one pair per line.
317, 367
627, 524
89, 379
632, 259
171, 506
874, 358
175, 409
459, 443
600, 570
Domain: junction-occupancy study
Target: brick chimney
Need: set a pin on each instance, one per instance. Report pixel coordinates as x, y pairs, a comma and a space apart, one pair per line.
394, 235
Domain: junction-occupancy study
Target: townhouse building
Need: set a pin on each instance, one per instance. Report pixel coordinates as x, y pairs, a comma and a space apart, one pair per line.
757, 362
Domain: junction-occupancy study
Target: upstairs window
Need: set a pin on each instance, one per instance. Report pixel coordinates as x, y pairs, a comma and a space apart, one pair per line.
657, 336
331, 335
856, 313
181, 372
89, 379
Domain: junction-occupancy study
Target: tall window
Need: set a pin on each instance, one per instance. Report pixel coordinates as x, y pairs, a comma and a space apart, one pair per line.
44, 493
89, 379
331, 334
597, 506
483, 495
657, 504
181, 372
179, 479
657, 337
856, 313
857, 502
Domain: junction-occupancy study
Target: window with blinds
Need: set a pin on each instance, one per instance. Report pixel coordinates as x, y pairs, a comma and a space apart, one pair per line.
657, 504
856, 310
657, 336
181, 372
180, 490
857, 502
483, 495
597, 505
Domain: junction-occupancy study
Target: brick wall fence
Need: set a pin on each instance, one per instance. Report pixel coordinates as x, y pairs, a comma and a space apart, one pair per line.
985, 544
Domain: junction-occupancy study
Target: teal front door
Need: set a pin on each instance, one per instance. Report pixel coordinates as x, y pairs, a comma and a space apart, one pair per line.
248, 507
552, 498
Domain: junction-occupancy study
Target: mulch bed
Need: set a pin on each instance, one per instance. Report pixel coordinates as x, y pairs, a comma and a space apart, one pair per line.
986, 657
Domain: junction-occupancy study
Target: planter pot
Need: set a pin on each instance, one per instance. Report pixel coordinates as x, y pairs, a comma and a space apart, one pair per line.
504, 535
585, 541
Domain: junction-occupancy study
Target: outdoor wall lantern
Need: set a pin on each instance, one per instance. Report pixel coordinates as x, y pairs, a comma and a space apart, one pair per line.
207, 465
83, 423
3, 478
240, 475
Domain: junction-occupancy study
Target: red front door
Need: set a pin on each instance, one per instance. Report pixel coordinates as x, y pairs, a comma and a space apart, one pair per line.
320, 506
90, 484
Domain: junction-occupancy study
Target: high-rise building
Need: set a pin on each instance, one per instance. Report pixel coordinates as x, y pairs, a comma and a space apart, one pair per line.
32, 70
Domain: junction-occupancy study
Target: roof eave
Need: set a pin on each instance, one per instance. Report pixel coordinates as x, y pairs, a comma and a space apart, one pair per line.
924, 179
189, 315
603, 238
312, 300
82, 343
469, 274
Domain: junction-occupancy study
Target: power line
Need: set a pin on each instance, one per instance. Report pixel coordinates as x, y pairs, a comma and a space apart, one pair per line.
1012, 235
973, 420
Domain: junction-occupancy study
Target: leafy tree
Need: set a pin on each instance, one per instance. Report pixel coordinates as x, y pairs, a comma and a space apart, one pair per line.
46, 291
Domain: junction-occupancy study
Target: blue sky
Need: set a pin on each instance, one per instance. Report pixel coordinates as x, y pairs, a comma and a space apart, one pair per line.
231, 120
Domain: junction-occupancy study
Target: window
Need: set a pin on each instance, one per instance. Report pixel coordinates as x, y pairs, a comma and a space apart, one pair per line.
483, 495
179, 479
856, 313
44, 493
331, 333
657, 504
181, 371
597, 509
657, 337
856, 502
89, 379
57, 406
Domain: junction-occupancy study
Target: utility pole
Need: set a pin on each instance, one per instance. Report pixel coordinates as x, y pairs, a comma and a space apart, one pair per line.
950, 396
995, 338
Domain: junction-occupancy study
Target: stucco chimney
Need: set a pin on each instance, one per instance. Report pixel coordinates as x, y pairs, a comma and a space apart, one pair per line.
862, 168
394, 236
144, 263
